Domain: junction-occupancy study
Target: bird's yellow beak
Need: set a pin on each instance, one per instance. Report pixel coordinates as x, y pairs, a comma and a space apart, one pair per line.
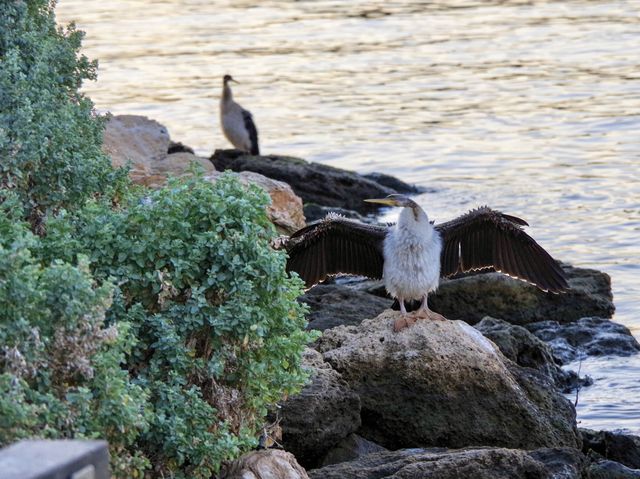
384, 201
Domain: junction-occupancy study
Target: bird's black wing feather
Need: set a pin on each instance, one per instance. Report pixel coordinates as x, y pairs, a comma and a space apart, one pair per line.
253, 131
336, 245
484, 238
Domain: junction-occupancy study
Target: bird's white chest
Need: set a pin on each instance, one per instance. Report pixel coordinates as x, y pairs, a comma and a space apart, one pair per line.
412, 261
233, 126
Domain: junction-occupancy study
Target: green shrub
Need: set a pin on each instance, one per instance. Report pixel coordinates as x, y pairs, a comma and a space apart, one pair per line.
220, 333
50, 138
60, 373
163, 323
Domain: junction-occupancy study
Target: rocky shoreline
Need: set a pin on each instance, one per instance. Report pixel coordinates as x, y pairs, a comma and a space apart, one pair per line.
477, 396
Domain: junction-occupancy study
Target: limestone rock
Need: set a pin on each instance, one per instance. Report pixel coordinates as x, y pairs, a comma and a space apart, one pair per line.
525, 349
322, 414
441, 383
350, 448
144, 144
265, 464
313, 182
585, 337
332, 305
285, 210
482, 463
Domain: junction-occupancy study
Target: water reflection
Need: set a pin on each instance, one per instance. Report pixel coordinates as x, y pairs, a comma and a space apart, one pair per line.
530, 107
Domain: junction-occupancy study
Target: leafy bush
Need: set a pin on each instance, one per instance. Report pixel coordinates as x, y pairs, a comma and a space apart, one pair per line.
220, 331
60, 373
163, 323
50, 138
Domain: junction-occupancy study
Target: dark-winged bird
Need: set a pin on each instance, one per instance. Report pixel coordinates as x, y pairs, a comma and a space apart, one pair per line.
237, 123
413, 254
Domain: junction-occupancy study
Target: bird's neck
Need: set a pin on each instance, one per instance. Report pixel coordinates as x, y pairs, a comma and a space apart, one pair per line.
414, 220
227, 96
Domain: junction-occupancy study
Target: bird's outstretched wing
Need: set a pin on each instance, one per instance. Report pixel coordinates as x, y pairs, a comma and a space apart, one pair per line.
484, 238
253, 131
336, 245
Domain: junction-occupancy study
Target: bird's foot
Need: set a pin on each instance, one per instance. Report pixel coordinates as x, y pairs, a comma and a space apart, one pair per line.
404, 322
431, 315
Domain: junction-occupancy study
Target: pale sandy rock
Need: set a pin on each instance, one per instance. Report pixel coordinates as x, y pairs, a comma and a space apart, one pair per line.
265, 464
135, 140
285, 210
442, 383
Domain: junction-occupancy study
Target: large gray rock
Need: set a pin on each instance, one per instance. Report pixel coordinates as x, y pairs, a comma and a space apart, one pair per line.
473, 297
585, 337
485, 463
313, 182
322, 414
441, 383
611, 470
265, 464
334, 305
616, 446
525, 349
350, 448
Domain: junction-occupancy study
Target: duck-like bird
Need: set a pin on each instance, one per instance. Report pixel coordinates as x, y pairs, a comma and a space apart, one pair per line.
413, 254
237, 123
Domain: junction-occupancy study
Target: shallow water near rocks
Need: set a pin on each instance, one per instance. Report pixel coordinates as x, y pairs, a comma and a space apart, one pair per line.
530, 107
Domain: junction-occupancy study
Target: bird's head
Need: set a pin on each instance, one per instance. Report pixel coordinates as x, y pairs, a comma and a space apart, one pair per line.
394, 200
228, 78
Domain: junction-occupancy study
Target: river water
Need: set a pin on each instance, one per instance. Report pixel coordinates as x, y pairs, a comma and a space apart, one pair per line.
531, 107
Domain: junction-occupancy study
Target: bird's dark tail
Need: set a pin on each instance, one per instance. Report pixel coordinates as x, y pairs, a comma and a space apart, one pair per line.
255, 149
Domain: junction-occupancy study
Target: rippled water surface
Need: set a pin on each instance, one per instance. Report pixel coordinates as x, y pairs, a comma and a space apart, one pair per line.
530, 107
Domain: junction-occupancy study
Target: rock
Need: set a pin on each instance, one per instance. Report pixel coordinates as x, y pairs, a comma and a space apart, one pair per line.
525, 349
333, 305
313, 182
585, 337
441, 383
144, 144
493, 294
395, 184
322, 414
351, 447
616, 446
135, 140
285, 211
177, 147
484, 463
265, 464
611, 470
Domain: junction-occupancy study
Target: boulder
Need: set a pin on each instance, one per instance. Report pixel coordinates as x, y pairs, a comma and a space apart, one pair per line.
144, 145
585, 337
493, 294
322, 414
616, 446
313, 182
441, 383
333, 305
525, 349
285, 210
611, 470
482, 463
350, 448
265, 464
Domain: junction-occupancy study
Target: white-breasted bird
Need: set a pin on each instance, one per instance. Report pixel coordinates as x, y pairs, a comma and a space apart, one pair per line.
412, 255
237, 123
